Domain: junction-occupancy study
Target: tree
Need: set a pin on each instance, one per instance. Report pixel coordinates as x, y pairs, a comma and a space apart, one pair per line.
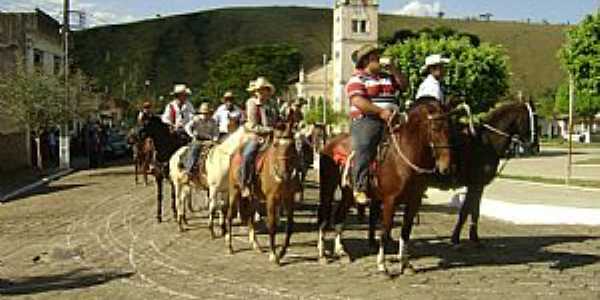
234, 70
440, 32
36, 100
315, 114
479, 74
586, 105
579, 56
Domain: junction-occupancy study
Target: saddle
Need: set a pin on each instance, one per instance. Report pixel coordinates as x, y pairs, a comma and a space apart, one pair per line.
346, 161
199, 168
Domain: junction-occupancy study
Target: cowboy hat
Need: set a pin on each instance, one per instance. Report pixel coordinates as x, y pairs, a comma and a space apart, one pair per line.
364, 51
181, 88
147, 104
260, 83
434, 60
228, 94
204, 108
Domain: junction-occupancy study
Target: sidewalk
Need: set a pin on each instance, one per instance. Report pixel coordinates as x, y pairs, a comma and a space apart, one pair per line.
24, 180
533, 203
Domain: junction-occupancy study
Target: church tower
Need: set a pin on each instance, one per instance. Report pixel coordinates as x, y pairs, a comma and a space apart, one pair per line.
355, 23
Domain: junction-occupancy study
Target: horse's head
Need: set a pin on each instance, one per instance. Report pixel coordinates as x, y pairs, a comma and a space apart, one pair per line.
514, 122
155, 128
283, 155
431, 122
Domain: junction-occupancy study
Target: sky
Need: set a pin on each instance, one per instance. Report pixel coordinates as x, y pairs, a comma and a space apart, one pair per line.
102, 12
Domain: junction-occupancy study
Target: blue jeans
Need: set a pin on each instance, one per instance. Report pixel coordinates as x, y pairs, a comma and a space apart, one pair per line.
192, 157
366, 134
249, 153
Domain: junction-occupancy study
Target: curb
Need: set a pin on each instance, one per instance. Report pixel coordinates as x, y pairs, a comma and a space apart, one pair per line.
554, 185
36, 184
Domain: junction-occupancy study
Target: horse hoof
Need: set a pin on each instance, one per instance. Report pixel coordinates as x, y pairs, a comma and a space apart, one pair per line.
382, 269
407, 269
274, 258
159, 219
230, 250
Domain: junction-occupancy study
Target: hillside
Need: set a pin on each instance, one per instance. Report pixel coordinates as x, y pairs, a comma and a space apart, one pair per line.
179, 48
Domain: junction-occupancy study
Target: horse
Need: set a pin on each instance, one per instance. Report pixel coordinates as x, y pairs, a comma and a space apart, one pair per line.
210, 179
277, 183
478, 156
143, 156
165, 143
416, 149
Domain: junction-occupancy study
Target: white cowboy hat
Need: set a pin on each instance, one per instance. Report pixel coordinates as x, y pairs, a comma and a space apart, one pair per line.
204, 108
259, 83
434, 60
228, 94
181, 88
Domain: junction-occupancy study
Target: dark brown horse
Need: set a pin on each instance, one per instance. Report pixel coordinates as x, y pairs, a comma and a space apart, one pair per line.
416, 149
165, 143
477, 156
276, 185
143, 156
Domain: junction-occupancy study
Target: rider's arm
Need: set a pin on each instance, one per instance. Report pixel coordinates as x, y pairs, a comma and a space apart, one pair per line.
189, 128
252, 123
166, 116
366, 106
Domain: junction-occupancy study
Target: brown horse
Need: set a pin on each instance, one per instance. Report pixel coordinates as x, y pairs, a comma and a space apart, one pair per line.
276, 185
477, 156
143, 156
417, 148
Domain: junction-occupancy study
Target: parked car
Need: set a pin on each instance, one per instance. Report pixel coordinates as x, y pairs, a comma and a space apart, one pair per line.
116, 145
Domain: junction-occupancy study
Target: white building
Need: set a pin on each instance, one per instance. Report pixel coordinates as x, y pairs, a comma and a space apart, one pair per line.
355, 23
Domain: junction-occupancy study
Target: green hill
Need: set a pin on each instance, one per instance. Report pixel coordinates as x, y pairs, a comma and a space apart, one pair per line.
180, 48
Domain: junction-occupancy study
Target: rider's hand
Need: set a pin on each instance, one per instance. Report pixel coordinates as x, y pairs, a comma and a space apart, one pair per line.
385, 115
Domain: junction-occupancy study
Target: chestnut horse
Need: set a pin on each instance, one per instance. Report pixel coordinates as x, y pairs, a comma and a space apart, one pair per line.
143, 156
478, 155
166, 143
417, 148
276, 184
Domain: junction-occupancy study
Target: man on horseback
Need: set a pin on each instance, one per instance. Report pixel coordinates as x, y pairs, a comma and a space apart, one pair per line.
179, 111
372, 94
227, 115
432, 87
143, 116
203, 130
258, 124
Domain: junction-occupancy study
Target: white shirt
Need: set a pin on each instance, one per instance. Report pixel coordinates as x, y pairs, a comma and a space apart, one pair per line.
183, 114
222, 116
431, 87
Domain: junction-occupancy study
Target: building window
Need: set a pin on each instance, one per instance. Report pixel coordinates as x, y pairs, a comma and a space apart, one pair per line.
38, 58
359, 26
337, 54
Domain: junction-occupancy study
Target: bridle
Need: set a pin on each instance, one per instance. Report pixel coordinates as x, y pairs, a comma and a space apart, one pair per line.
396, 144
277, 174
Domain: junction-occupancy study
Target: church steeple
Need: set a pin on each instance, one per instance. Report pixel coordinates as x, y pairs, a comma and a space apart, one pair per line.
355, 23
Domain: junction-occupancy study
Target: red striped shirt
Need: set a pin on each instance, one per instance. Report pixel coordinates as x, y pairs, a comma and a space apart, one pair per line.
380, 89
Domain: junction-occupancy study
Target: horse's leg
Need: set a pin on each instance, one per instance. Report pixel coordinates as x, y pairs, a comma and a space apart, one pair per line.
145, 167
387, 223
340, 219
272, 209
181, 192
374, 215
212, 194
289, 207
410, 210
327, 187
463, 213
159, 196
475, 194
135, 169
234, 198
173, 199
251, 221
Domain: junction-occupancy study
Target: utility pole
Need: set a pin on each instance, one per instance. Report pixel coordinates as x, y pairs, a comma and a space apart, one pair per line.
325, 89
65, 155
570, 128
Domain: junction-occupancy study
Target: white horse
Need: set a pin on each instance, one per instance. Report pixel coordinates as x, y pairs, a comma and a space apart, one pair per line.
216, 180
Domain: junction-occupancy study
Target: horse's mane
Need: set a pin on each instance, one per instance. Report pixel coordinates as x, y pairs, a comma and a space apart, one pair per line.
501, 112
232, 142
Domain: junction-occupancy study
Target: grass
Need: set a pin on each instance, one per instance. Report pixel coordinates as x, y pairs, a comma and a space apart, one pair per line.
539, 179
180, 48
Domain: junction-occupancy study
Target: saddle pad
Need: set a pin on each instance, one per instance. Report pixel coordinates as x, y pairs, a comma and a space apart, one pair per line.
340, 156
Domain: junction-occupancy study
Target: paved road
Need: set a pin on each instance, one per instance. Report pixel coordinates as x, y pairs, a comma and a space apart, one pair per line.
552, 163
93, 235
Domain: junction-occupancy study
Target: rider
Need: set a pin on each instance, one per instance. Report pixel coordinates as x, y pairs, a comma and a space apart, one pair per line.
226, 114
372, 94
179, 111
202, 129
432, 87
258, 123
143, 116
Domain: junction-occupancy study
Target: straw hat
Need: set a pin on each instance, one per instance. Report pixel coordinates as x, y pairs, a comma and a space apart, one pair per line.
364, 51
204, 108
261, 82
228, 94
181, 88
434, 60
